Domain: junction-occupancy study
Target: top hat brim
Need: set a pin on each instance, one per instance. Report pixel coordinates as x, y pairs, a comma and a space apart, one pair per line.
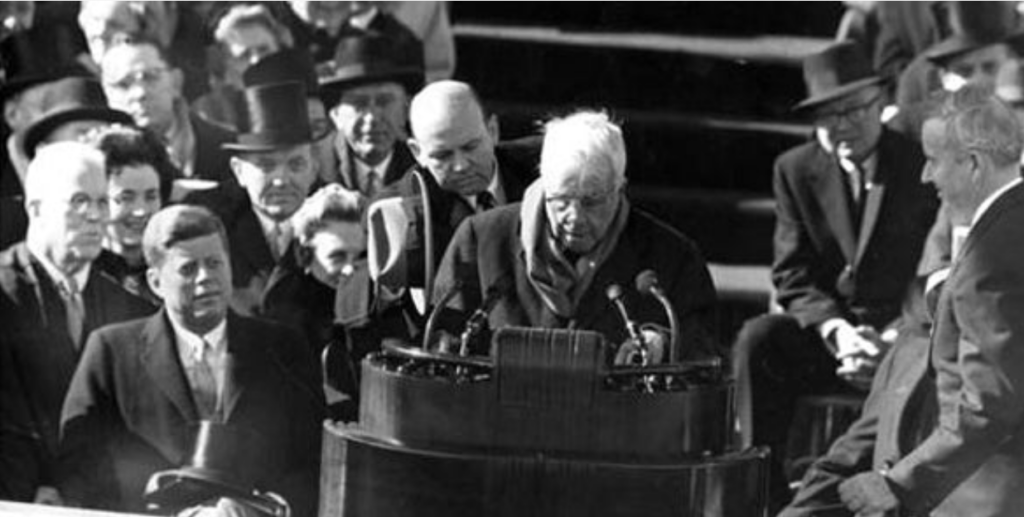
42, 128
262, 143
836, 93
186, 487
957, 44
20, 84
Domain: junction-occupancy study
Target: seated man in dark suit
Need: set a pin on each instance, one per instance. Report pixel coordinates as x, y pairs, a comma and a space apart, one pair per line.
143, 386
141, 80
273, 162
550, 259
851, 220
366, 89
941, 433
51, 297
462, 170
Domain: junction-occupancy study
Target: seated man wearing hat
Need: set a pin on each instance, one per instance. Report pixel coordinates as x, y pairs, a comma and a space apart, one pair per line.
980, 46
851, 219
273, 162
366, 89
146, 388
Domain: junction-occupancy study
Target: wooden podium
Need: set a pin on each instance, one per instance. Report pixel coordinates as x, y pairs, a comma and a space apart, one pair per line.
546, 429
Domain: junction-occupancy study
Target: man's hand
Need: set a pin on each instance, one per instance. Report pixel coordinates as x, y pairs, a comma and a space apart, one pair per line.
868, 494
859, 350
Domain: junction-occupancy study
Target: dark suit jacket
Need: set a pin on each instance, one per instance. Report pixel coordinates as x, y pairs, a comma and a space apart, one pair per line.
212, 161
944, 414
401, 161
517, 166
37, 360
487, 251
129, 411
976, 449
816, 238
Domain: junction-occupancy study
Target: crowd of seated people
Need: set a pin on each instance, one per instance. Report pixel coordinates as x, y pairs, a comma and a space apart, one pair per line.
212, 212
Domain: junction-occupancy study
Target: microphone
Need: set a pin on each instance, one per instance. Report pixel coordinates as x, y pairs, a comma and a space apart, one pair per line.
614, 294
647, 283
478, 320
452, 291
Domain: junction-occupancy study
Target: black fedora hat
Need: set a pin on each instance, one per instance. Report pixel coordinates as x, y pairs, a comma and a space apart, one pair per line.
277, 117
67, 100
222, 464
371, 57
976, 25
837, 71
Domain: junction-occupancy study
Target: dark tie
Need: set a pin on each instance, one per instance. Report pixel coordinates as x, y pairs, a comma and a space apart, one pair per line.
485, 201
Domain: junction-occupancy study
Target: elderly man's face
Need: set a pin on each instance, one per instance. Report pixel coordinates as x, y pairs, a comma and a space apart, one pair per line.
948, 168
328, 16
140, 83
277, 181
372, 118
852, 124
134, 198
458, 149
581, 205
194, 281
72, 212
981, 65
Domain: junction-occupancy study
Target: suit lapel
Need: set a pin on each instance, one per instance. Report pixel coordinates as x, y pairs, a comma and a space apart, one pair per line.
249, 243
830, 188
237, 366
401, 162
159, 357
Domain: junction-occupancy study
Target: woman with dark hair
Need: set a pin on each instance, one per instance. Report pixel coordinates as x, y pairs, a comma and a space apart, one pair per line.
139, 182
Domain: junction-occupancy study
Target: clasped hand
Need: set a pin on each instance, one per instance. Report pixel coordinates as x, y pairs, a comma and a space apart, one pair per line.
859, 350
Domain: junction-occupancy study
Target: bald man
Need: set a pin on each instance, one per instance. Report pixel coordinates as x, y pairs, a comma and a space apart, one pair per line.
463, 169
50, 299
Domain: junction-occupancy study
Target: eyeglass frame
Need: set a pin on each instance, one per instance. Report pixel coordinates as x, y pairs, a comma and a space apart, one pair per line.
853, 113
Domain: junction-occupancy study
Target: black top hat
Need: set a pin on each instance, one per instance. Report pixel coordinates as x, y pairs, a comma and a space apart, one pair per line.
66, 100
291, 64
223, 464
277, 117
371, 57
976, 25
837, 71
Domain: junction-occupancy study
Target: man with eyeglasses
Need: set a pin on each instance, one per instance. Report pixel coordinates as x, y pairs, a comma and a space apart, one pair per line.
140, 79
50, 299
550, 258
851, 220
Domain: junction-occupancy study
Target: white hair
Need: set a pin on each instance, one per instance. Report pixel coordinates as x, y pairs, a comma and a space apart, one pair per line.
587, 140
56, 159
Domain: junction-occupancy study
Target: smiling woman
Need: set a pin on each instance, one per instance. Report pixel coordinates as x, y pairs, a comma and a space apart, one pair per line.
139, 175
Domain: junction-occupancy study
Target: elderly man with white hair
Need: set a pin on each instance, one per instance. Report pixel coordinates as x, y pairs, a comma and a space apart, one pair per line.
551, 258
51, 297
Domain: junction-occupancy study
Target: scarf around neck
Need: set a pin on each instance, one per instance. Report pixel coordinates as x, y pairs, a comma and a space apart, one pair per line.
559, 283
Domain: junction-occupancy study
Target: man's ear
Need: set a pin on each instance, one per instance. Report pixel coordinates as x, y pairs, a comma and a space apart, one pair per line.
414, 148
32, 208
153, 279
493, 128
236, 168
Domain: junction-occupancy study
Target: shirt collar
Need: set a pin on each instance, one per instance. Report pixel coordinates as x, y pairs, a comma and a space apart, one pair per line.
363, 169
987, 203
56, 275
190, 344
268, 225
494, 188
363, 20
